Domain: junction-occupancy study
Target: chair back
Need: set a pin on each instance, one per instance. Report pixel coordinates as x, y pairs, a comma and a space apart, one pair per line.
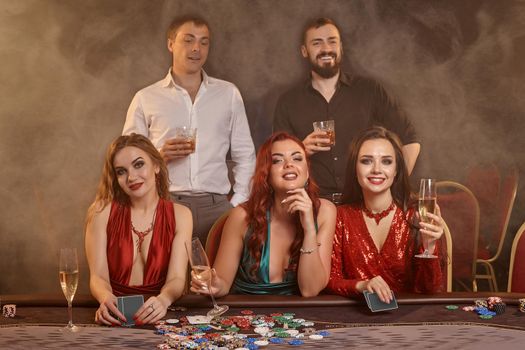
517, 263
496, 192
448, 248
507, 196
214, 237
460, 210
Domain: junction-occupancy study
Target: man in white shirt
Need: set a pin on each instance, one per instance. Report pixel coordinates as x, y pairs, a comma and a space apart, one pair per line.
187, 96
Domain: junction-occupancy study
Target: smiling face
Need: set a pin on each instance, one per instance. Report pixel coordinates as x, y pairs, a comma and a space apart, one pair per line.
376, 166
289, 168
135, 172
323, 49
189, 47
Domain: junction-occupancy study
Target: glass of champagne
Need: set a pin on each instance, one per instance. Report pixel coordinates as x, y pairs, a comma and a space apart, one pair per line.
426, 204
68, 273
202, 271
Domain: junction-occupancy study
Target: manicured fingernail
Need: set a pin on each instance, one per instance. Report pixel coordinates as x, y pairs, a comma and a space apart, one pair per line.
283, 201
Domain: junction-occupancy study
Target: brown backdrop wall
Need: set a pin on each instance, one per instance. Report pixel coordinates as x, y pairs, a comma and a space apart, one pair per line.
68, 70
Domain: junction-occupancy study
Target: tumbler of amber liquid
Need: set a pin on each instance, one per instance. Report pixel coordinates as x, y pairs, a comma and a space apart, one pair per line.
328, 126
187, 134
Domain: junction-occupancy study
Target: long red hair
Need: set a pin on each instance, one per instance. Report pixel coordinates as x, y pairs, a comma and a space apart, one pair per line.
261, 200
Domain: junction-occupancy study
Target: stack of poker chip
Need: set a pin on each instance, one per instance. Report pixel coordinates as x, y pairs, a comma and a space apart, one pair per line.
521, 305
496, 304
9, 310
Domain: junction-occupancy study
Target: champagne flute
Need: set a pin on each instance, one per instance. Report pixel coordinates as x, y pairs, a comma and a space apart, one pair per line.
202, 271
68, 273
427, 204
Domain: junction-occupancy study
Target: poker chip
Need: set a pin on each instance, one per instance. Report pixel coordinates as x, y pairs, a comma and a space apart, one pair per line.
468, 308
521, 305
499, 308
261, 342
324, 333
274, 340
451, 307
486, 317
172, 321
292, 332
296, 342
481, 303
9, 310
315, 336
247, 312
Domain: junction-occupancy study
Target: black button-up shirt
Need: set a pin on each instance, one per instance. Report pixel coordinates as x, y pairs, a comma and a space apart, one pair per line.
357, 104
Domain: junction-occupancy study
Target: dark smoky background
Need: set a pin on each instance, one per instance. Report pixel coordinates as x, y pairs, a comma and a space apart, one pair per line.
68, 70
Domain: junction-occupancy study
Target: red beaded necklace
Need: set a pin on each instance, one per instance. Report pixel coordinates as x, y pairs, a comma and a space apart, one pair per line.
142, 234
378, 216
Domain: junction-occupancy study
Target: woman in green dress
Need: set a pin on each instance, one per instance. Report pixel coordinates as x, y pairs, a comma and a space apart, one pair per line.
280, 240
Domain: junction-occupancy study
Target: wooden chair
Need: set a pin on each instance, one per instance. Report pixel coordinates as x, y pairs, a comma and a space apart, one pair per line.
448, 249
214, 237
516, 282
500, 212
460, 210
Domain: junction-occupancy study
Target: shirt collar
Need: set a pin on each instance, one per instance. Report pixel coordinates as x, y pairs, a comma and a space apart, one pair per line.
343, 79
168, 80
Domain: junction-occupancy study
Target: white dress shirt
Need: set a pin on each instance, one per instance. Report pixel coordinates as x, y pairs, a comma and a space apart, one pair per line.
220, 118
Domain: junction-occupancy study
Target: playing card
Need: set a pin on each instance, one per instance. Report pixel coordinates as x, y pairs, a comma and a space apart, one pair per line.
375, 304
199, 319
128, 306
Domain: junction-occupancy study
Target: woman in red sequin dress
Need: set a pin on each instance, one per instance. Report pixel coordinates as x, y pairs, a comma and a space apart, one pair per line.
134, 234
376, 239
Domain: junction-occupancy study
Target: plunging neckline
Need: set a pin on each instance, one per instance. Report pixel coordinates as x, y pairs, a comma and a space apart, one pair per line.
369, 235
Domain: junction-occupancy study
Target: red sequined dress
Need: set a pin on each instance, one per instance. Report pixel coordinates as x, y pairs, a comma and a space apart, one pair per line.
355, 256
120, 249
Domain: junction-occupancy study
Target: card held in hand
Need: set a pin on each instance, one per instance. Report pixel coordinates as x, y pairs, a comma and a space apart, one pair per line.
375, 304
128, 306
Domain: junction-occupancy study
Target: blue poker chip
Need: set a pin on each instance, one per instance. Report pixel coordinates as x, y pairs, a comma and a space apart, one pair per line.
296, 342
324, 333
276, 340
252, 346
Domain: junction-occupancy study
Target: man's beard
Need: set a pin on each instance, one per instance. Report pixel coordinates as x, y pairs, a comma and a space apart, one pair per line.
326, 70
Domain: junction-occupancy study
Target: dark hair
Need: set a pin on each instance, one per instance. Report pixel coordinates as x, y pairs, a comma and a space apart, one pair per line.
109, 188
261, 199
179, 21
317, 23
352, 193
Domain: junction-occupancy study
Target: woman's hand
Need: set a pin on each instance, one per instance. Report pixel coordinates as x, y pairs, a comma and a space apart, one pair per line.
299, 201
200, 285
377, 285
151, 311
433, 230
107, 311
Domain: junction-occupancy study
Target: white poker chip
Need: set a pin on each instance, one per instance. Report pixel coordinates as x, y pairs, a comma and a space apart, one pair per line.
227, 336
172, 321
316, 336
261, 330
292, 332
308, 324
261, 342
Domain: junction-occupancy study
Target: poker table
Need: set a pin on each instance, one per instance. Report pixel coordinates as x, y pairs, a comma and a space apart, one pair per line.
421, 321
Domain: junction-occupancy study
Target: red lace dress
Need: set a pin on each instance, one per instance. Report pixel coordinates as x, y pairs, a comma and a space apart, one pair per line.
120, 249
355, 256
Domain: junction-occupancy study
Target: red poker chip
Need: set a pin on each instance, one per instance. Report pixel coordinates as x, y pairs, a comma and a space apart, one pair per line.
275, 314
247, 312
227, 322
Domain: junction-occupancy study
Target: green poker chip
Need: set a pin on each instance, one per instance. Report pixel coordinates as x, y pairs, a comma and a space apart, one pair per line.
485, 317
452, 307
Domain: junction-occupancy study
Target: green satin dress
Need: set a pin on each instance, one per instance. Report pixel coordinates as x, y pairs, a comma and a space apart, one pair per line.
246, 283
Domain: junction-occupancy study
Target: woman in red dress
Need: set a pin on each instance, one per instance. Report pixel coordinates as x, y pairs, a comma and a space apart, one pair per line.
134, 234
376, 239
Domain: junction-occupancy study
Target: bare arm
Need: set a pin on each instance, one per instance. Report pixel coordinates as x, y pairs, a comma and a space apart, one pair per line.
228, 256
176, 276
96, 247
410, 153
314, 268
